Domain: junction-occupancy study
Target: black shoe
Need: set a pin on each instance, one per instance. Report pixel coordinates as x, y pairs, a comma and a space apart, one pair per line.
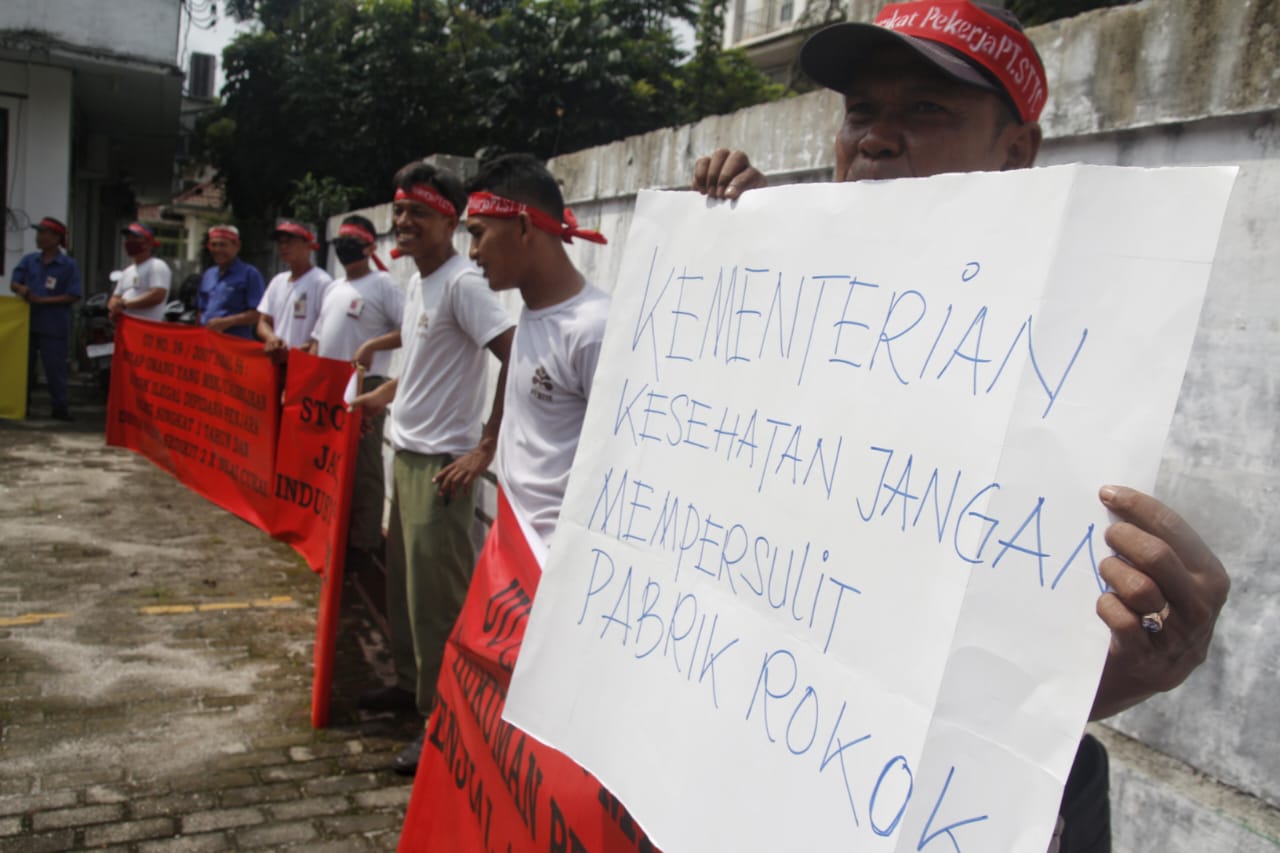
406, 762
357, 560
392, 698
60, 415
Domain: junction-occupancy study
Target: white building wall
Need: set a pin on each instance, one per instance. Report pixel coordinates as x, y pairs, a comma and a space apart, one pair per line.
38, 99
146, 29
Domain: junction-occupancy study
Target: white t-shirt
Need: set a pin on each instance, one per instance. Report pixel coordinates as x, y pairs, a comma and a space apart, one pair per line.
355, 311
138, 279
553, 362
449, 318
294, 304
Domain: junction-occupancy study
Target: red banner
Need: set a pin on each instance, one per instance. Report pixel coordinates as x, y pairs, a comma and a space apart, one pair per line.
482, 784
315, 459
207, 408
315, 463
203, 406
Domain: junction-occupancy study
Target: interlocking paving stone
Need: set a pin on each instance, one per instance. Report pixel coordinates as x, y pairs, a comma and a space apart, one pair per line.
208, 843
221, 819
275, 834
182, 732
45, 842
173, 804
38, 802
81, 816
133, 830
310, 807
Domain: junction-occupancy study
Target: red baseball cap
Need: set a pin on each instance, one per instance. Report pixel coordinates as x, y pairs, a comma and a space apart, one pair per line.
141, 232
51, 224
973, 43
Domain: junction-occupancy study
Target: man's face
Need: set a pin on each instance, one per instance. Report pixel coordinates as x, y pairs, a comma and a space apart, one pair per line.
496, 248
47, 240
134, 246
903, 118
292, 248
224, 251
421, 230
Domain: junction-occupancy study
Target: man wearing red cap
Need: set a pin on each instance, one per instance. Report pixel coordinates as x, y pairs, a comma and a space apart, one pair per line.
291, 305
49, 280
144, 285
359, 322
441, 441
953, 86
231, 289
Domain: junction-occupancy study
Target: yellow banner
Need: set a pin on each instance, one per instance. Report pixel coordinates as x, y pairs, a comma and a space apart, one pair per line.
14, 322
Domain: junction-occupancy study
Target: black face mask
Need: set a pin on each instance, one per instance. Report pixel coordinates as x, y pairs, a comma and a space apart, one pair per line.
349, 251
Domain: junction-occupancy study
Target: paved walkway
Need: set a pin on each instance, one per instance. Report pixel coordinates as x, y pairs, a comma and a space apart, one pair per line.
155, 669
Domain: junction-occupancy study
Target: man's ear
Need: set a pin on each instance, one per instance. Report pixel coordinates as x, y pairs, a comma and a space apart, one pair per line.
526, 226
1021, 145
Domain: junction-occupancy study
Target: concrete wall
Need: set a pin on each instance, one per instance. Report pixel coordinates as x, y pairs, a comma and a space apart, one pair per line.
1163, 82
146, 29
39, 166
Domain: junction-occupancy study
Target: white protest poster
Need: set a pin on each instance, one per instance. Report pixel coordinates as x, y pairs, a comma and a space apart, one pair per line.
825, 575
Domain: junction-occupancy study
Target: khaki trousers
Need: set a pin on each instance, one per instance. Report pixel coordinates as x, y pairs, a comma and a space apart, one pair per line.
430, 558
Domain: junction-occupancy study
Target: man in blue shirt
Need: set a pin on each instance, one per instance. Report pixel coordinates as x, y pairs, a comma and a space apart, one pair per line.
231, 289
49, 281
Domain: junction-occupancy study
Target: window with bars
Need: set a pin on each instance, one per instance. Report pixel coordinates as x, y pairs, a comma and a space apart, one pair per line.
203, 67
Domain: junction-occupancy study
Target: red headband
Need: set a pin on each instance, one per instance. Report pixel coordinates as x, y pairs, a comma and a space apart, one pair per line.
298, 231
51, 224
1003, 50
364, 235
429, 197
223, 232
488, 204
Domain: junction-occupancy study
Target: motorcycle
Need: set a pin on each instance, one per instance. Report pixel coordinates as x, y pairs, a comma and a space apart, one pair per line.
183, 309
99, 334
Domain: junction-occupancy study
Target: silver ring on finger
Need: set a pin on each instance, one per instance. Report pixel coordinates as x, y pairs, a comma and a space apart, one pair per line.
1153, 623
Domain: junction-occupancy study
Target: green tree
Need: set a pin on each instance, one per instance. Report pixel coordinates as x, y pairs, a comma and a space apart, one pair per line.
716, 81
348, 90
315, 199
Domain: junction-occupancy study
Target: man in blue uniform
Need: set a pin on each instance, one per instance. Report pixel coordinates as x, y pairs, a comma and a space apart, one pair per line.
230, 289
49, 280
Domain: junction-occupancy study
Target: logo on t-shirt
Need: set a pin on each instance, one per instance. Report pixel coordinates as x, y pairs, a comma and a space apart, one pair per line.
422, 323
300, 308
356, 308
542, 386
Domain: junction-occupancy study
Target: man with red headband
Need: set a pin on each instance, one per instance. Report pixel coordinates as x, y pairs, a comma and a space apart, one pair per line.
519, 226
144, 285
231, 289
450, 319
49, 280
359, 322
291, 305
953, 86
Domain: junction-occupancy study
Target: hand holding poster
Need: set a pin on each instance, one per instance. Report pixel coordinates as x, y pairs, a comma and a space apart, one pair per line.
826, 571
